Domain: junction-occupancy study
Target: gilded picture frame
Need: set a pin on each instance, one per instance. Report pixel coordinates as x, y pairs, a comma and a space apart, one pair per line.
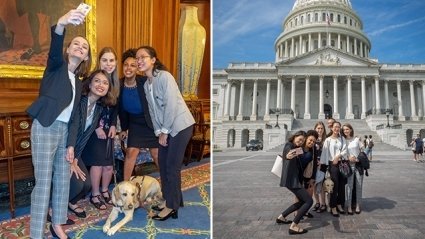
21, 66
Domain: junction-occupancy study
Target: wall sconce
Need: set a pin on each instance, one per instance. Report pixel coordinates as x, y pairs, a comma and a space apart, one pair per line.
327, 93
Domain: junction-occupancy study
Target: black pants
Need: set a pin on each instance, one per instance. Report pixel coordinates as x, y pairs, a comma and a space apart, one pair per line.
304, 203
338, 194
78, 188
170, 163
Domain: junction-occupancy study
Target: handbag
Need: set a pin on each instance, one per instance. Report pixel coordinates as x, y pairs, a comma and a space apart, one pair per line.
308, 171
345, 169
277, 166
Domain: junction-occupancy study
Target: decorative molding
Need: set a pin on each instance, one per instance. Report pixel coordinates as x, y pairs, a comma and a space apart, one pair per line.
328, 59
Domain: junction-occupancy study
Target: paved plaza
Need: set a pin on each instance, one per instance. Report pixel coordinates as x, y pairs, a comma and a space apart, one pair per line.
247, 199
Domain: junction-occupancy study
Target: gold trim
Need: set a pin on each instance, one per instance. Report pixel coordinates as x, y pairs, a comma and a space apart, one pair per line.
36, 72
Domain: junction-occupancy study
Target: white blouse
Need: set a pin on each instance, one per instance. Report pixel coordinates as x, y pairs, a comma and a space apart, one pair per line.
353, 147
332, 148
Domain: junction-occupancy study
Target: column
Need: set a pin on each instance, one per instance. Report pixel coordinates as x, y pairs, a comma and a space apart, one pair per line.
412, 102
227, 101
355, 46
339, 41
321, 110
423, 96
378, 98
348, 44
282, 94
254, 102
319, 43
329, 39
292, 48
293, 95
418, 94
349, 114
300, 45
232, 110
307, 98
241, 93
286, 48
361, 49
387, 99
279, 83
336, 114
266, 114
309, 43
363, 116
401, 116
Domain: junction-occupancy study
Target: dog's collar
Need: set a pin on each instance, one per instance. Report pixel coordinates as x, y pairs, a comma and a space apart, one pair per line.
120, 207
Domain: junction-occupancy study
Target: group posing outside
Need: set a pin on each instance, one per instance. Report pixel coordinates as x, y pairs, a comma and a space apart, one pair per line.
313, 156
75, 121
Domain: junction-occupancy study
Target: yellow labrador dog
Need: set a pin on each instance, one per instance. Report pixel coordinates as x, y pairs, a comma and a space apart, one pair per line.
149, 189
125, 199
328, 187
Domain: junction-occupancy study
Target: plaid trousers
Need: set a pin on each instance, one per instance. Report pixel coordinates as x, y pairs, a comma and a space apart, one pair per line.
50, 165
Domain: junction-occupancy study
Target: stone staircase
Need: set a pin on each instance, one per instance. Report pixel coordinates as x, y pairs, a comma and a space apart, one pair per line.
360, 127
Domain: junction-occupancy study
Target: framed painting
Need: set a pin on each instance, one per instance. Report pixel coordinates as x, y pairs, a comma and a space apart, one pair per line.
25, 34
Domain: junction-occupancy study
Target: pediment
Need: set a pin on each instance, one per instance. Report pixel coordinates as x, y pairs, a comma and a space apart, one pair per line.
327, 57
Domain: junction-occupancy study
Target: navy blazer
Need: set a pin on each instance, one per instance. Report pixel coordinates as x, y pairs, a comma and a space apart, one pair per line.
292, 174
77, 136
124, 115
55, 92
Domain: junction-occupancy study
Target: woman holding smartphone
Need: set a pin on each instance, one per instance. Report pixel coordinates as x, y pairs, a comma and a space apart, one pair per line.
292, 178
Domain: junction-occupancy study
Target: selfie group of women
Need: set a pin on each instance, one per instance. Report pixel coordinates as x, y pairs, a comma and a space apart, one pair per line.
75, 117
309, 157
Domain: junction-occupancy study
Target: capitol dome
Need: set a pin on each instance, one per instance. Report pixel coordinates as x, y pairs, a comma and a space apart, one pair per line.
316, 24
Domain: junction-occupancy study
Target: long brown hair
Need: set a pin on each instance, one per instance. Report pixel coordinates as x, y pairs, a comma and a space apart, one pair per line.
83, 69
106, 100
115, 86
323, 136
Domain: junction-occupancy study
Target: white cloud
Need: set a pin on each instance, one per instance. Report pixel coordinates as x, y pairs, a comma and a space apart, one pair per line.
244, 17
394, 26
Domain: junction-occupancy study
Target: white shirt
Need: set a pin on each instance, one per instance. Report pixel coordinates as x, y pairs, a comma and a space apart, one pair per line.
65, 115
332, 148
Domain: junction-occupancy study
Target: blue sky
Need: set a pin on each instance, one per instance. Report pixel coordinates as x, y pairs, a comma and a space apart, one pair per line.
245, 30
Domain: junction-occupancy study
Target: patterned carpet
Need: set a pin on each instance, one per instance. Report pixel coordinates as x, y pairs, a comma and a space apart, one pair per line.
195, 183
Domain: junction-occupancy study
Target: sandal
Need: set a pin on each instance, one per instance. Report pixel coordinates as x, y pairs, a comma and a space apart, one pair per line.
316, 207
322, 208
297, 230
81, 214
99, 204
108, 198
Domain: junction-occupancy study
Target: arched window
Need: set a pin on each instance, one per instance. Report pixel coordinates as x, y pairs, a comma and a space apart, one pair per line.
351, 22
323, 17
296, 21
316, 17
339, 18
308, 18
345, 20
332, 17
302, 20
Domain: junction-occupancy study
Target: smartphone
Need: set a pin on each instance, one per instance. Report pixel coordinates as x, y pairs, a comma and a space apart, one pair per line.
299, 151
85, 8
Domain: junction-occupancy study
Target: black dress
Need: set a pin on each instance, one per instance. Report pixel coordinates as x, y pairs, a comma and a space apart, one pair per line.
135, 117
95, 152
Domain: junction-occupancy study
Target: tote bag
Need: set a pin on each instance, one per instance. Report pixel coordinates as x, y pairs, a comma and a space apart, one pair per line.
277, 167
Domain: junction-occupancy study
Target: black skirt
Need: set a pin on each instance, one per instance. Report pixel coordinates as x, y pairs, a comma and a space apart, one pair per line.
95, 153
139, 133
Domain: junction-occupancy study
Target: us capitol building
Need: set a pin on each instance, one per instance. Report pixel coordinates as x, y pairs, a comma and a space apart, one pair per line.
322, 69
